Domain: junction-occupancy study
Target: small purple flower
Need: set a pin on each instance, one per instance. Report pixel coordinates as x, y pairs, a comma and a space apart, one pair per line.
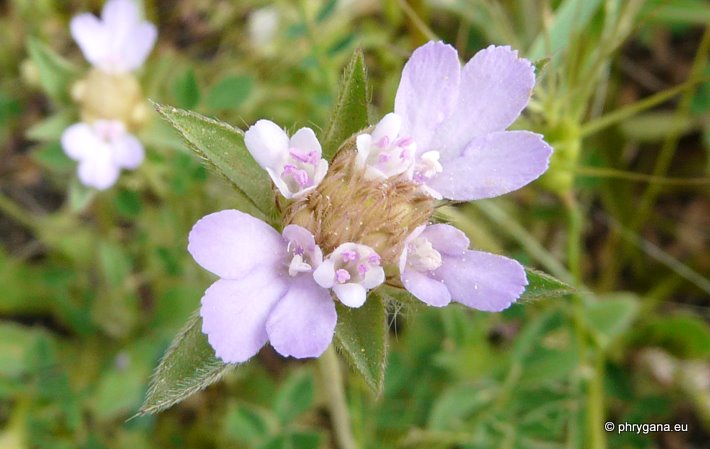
383, 154
102, 149
266, 290
294, 165
351, 270
437, 267
458, 118
118, 42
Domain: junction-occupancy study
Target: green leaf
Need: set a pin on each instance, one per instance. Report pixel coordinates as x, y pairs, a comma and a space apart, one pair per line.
247, 423
612, 315
350, 114
55, 73
222, 146
52, 157
361, 337
188, 366
294, 397
684, 335
230, 93
51, 128
186, 90
542, 285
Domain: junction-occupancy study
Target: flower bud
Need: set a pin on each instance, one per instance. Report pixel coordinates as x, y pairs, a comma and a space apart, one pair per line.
105, 96
565, 139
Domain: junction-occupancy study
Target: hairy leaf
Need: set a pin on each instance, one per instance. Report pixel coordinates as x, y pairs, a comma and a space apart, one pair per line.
361, 338
222, 147
188, 366
542, 285
350, 114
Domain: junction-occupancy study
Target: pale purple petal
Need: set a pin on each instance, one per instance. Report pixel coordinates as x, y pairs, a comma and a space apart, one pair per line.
302, 323
267, 143
373, 278
492, 165
446, 239
387, 128
427, 90
324, 275
98, 170
119, 15
90, 35
231, 244
484, 281
79, 140
128, 152
410, 238
305, 139
234, 314
352, 295
302, 237
495, 87
426, 288
137, 46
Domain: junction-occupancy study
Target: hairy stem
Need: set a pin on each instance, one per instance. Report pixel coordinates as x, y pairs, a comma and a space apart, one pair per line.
332, 380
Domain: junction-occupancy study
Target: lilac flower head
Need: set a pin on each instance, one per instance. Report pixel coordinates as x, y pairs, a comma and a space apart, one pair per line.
266, 290
102, 149
457, 120
119, 41
437, 267
295, 165
351, 270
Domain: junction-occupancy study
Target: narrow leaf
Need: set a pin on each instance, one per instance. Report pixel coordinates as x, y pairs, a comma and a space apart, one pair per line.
542, 285
222, 147
569, 17
361, 337
350, 114
188, 366
55, 73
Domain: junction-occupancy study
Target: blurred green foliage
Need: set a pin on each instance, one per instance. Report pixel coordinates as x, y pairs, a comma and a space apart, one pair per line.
96, 285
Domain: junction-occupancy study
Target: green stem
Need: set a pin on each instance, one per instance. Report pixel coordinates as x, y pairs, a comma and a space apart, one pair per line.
595, 387
335, 392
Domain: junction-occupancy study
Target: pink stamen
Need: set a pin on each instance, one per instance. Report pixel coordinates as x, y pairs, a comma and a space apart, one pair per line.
362, 269
311, 157
349, 256
404, 141
374, 259
342, 276
384, 142
383, 158
300, 176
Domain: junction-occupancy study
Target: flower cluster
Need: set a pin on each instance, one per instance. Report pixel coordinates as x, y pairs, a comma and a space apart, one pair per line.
366, 219
110, 97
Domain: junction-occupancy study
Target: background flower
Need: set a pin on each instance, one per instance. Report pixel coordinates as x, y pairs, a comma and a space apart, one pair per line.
102, 149
119, 41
